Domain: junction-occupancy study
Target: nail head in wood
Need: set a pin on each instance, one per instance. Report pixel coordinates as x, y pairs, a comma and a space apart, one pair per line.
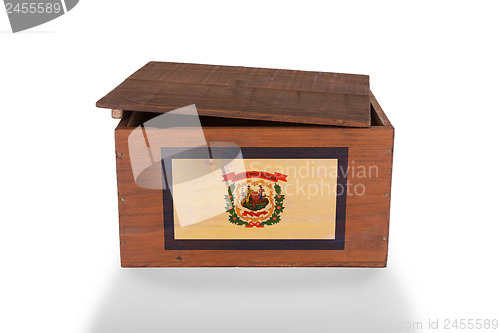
122, 199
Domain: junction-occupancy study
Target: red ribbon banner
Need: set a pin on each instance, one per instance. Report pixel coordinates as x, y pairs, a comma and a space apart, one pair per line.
253, 214
254, 174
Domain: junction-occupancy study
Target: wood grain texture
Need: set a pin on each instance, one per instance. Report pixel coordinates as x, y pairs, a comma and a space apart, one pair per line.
246, 93
367, 215
116, 114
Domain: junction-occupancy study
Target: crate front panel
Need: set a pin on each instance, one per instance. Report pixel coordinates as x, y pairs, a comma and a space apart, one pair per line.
142, 220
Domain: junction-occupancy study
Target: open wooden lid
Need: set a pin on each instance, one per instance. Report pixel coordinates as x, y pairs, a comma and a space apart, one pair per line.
246, 93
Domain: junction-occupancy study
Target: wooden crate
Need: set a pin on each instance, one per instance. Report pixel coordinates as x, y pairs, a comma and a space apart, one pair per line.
284, 120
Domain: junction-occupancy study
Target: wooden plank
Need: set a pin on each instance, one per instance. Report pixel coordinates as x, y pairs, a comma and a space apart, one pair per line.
367, 215
378, 109
116, 114
246, 93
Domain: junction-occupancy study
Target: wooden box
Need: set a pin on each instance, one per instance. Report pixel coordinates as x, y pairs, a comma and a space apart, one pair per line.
236, 166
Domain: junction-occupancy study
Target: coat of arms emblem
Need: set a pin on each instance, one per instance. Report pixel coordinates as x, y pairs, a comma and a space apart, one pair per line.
254, 198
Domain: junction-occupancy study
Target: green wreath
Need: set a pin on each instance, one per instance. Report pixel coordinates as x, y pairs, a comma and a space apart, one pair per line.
273, 219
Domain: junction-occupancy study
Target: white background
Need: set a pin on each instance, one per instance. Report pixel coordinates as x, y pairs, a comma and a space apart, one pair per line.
434, 67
